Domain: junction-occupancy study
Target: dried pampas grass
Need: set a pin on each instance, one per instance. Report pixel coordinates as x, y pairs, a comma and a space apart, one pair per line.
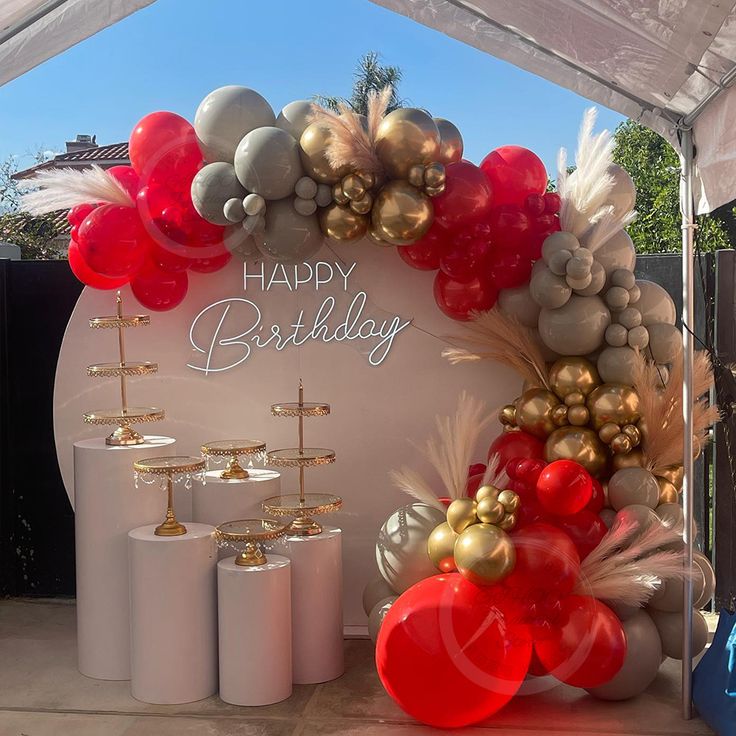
62, 189
411, 483
496, 336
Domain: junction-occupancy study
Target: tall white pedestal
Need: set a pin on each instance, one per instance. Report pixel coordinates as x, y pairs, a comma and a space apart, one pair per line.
173, 615
316, 606
217, 500
107, 507
254, 610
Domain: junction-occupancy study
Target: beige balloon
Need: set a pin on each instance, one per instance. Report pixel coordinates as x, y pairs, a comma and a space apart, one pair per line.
288, 237
665, 342
377, 589
451, 141
623, 193
377, 614
577, 328
617, 364
671, 595
617, 252
672, 516
518, 303
670, 628
548, 290
709, 577
633, 486
641, 516
295, 118
655, 304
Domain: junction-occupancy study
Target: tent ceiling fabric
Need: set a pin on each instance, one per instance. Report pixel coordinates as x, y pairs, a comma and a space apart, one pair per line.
652, 60
32, 31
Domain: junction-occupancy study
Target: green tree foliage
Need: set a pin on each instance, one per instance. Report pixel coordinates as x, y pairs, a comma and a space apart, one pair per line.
655, 167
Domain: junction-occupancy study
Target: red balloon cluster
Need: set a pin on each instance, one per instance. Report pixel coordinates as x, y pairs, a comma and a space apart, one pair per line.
490, 223
153, 242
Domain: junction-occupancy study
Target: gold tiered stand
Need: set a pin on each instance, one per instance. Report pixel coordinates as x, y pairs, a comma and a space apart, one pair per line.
251, 533
169, 467
301, 506
233, 449
126, 415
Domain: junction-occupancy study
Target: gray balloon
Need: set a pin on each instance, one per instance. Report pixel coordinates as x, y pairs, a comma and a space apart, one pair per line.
267, 162
225, 116
633, 486
670, 628
642, 516
709, 579
617, 252
377, 614
665, 342
376, 590
608, 516
294, 118
641, 663
671, 594
623, 610
577, 328
616, 365
655, 304
672, 516
518, 303
623, 193
288, 237
212, 186
549, 290
597, 280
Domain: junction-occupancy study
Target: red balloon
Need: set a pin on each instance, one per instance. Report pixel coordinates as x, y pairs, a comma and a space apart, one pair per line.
509, 268
476, 468
514, 173
552, 202
126, 176
77, 215
425, 254
466, 198
163, 148
525, 469
534, 204
112, 241
158, 289
589, 648
458, 300
466, 261
473, 484
597, 498
509, 226
514, 445
586, 530
449, 652
86, 275
564, 488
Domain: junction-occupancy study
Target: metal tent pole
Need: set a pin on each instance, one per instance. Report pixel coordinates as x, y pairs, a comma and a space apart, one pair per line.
688, 227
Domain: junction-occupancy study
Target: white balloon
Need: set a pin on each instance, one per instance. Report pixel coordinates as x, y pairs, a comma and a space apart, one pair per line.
294, 118
377, 614
376, 590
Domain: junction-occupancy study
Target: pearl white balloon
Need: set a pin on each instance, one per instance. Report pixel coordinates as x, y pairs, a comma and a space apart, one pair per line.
670, 628
655, 304
518, 303
288, 237
401, 548
576, 328
225, 116
377, 589
294, 118
212, 186
377, 614
641, 516
623, 192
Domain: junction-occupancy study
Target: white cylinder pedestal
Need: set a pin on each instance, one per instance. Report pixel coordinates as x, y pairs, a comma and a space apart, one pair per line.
107, 505
254, 611
218, 500
173, 615
316, 606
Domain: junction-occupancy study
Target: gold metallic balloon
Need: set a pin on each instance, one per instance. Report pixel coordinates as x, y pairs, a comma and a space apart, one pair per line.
313, 144
507, 523
559, 415
509, 500
579, 444
415, 177
507, 415
621, 444
534, 412
401, 214
484, 554
667, 492
434, 191
451, 142
441, 546
374, 237
608, 431
353, 186
578, 415
405, 137
674, 474
338, 195
613, 402
633, 459
570, 375
363, 205
461, 514
485, 492
341, 223
632, 432
368, 179
490, 511
434, 174
575, 398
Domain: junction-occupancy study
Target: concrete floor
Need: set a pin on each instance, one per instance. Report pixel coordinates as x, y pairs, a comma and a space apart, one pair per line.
42, 694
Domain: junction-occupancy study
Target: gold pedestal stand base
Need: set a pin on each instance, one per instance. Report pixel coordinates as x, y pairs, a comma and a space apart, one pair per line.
171, 527
252, 555
234, 471
303, 526
124, 437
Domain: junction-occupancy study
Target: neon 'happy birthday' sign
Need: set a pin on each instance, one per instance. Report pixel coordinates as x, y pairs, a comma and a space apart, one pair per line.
227, 332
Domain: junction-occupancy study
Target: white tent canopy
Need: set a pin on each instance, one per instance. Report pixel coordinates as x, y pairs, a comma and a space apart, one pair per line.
656, 61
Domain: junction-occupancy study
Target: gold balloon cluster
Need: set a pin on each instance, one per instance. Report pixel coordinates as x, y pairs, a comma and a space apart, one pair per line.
580, 417
473, 540
669, 481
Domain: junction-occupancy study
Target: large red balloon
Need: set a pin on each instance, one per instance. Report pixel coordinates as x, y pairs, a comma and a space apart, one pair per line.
586, 529
112, 241
515, 445
514, 173
459, 299
509, 268
158, 289
589, 647
86, 275
564, 487
425, 254
466, 198
126, 175
449, 652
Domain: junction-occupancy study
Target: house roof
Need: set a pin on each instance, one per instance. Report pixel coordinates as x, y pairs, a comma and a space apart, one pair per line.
114, 154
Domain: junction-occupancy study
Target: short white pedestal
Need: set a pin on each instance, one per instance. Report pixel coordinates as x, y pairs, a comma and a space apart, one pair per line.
217, 500
316, 606
254, 610
107, 507
173, 615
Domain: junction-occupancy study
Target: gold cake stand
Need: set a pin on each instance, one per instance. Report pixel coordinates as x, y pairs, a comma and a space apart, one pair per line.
301, 506
251, 533
125, 416
168, 467
233, 449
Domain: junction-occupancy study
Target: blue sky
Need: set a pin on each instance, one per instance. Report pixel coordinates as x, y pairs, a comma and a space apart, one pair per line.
169, 55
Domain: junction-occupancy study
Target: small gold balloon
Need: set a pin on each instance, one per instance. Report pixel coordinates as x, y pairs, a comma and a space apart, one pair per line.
415, 177
338, 195
490, 511
574, 398
608, 431
313, 145
621, 444
401, 213
578, 415
633, 459
632, 432
353, 186
674, 474
666, 488
434, 191
368, 179
569, 375
484, 554
579, 444
559, 415
485, 492
509, 500
507, 523
341, 223
507, 415
405, 137
534, 412
441, 546
363, 205
434, 174
451, 142
461, 513
613, 402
